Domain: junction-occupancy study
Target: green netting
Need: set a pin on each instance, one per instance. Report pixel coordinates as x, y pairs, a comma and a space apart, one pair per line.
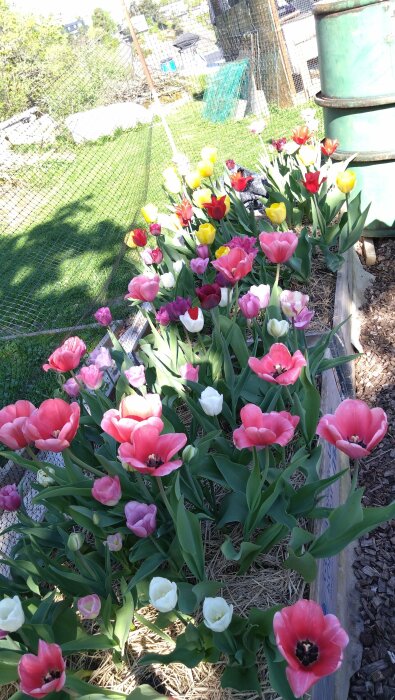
226, 87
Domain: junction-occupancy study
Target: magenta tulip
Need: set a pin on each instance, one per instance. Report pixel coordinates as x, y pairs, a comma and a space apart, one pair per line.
133, 410
262, 429
278, 366
12, 419
107, 490
354, 428
53, 425
89, 606
150, 452
103, 316
278, 246
10, 499
67, 356
143, 287
42, 674
141, 518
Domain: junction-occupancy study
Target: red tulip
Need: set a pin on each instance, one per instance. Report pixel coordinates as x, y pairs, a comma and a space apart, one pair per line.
278, 366
143, 287
42, 674
300, 135
312, 182
107, 490
278, 246
150, 452
329, 146
312, 643
216, 208
235, 265
262, 429
239, 182
12, 419
209, 295
354, 428
67, 356
133, 410
53, 425
139, 237
184, 212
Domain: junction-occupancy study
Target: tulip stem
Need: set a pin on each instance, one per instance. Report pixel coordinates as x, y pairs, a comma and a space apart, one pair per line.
277, 278
165, 499
143, 487
82, 464
32, 455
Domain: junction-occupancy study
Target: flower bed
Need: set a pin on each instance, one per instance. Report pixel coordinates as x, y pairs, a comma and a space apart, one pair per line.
195, 490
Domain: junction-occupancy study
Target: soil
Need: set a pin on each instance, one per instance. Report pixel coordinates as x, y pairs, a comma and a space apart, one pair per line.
375, 565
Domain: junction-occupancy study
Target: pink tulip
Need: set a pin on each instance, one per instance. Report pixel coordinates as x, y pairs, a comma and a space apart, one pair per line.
199, 265
312, 643
249, 305
150, 452
12, 419
278, 246
133, 410
136, 376
71, 387
3, 634
53, 425
143, 287
103, 316
10, 499
152, 256
89, 606
67, 356
203, 251
114, 542
278, 366
354, 428
262, 291
101, 357
262, 429
155, 229
91, 376
42, 674
189, 372
292, 303
141, 518
235, 265
107, 490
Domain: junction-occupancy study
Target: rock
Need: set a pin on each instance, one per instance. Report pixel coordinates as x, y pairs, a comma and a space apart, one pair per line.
104, 121
33, 131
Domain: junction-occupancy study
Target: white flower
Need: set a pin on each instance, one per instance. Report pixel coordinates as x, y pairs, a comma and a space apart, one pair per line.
178, 265
163, 594
308, 114
257, 126
12, 616
179, 242
211, 401
182, 163
226, 296
44, 479
167, 280
290, 147
277, 328
217, 614
262, 291
193, 320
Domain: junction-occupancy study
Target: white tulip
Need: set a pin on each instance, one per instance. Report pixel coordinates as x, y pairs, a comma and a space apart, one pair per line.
290, 147
226, 296
262, 291
163, 594
217, 614
277, 328
178, 265
167, 280
44, 479
12, 616
211, 401
193, 320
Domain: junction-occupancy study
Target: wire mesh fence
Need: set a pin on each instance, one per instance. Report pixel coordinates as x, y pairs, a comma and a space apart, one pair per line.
82, 148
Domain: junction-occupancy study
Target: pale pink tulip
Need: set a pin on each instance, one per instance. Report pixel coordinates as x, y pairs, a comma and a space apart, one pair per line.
89, 606
292, 303
189, 372
133, 410
71, 387
136, 376
249, 305
91, 376
354, 428
278, 246
12, 419
143, 287
53, 425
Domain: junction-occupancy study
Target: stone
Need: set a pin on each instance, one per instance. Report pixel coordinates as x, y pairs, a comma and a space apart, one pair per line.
104, 121
38, 130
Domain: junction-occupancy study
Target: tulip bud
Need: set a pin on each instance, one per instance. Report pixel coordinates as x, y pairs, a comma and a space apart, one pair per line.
167, 280
75, 541
12, 616
277, 328
217, 614
114, 542
206, 234
178, 265
89, 606
96, 518
276, 213
346, 181
189, 453
44, 478
226, 296
163, 594
205, 168
211, 401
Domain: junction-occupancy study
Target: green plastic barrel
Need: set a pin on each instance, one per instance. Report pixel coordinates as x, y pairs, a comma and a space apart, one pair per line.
356, 49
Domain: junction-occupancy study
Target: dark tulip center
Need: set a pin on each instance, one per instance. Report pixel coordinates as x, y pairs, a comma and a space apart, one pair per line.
51, 676
356, 440
278, 370
306, 652
154, 461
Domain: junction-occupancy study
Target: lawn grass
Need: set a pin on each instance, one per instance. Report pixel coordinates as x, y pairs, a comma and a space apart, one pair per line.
57, 262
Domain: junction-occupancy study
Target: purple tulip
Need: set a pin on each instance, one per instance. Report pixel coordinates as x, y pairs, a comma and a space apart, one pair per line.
9, 498
89, 606
203, 251
141, 518
303, 318
162, 316
103, 316
71, 387
199, 265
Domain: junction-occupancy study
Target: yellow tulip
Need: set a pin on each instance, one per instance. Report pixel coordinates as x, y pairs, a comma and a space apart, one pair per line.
201, 196
205, 168
276, 213
209, 153
206, 234
226, 201
150, 213
193, 179
346, 181
223, 250
307, 155
173, 184
129, 240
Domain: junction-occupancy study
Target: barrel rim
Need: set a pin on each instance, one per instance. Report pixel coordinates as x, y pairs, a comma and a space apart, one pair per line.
364, 156
327, 7
353, 102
